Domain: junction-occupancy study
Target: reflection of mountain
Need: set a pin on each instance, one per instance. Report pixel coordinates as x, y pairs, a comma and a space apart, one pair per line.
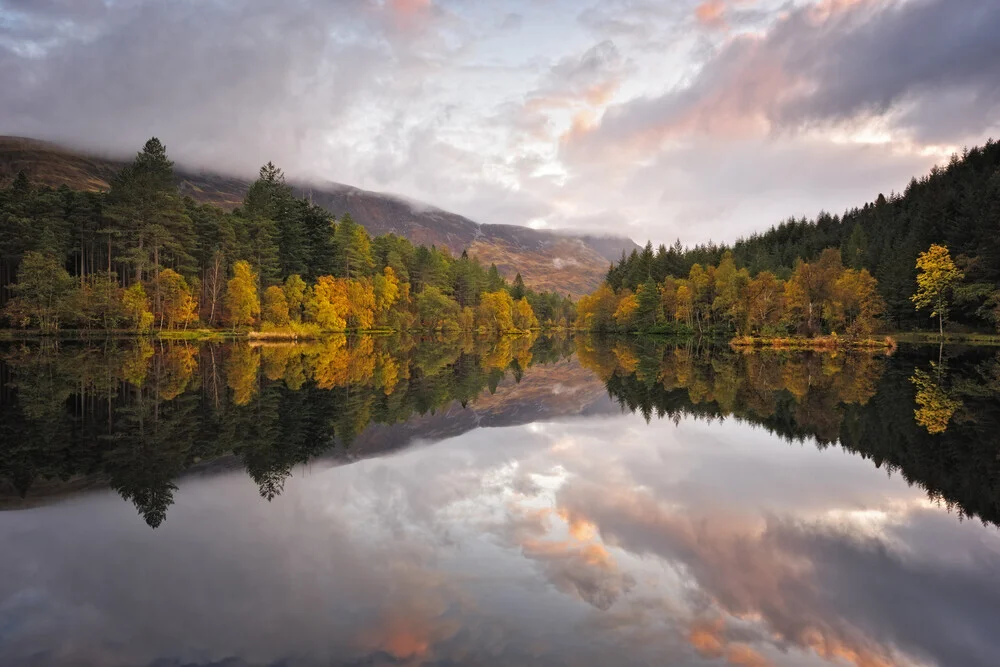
137, 417
865, 404
544, 392
546, 260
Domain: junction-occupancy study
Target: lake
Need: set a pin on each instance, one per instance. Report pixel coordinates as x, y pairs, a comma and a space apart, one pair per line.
522, 501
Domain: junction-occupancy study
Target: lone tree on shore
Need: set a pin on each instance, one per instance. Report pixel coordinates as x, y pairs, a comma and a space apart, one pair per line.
938, 274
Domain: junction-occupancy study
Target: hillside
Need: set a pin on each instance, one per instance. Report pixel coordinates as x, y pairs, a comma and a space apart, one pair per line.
546, 260
956, 205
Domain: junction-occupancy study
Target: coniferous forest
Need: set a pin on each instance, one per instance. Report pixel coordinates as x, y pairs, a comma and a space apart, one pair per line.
141, 257
742, 287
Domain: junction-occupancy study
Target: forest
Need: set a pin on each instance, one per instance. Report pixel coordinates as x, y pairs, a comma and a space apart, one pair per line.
956, 207
822, 296
141, 257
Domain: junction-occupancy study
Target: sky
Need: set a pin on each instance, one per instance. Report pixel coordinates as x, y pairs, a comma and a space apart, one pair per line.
692, 119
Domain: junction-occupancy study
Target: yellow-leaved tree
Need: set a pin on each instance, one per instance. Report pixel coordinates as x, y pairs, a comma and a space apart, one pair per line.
136, 306
295, 290
178, 306
275, 308
496, 312
242, 304
361, 297
524, 315
937, 275
627, 306
329, 306
386, 289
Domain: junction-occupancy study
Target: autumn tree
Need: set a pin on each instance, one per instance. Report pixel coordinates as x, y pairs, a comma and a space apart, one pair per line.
762, 297
628, 304
810, 286
361, 297
329, 306
242, 304
596, 311
937, 275
295, 290
496, 312
136, 306
385, 288
177, 306
274, 309
856, 304
524, 316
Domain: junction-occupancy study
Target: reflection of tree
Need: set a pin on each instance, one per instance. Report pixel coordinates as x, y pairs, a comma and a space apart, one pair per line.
799, 393
862, 402
142, 413
935, 406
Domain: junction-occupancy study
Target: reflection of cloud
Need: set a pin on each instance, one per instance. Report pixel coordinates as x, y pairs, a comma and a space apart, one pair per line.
655, 544
819, 587
420, 617
576, 563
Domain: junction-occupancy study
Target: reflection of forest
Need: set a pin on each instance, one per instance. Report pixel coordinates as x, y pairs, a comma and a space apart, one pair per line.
135, 414
138, 414
938, 424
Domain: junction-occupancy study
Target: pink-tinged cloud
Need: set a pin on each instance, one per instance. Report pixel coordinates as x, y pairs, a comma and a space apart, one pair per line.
745, 571
711, 13
409, 15
837, 63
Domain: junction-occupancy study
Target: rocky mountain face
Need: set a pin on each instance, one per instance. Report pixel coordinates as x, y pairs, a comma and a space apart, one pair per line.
565, 262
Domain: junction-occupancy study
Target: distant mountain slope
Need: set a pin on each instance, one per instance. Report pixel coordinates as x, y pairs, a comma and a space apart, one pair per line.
546, 260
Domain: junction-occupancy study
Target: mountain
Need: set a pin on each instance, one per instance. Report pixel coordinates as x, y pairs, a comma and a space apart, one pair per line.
546, 260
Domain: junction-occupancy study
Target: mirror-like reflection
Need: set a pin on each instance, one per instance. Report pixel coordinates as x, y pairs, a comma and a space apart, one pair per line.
523, 501
937, 422
136, 414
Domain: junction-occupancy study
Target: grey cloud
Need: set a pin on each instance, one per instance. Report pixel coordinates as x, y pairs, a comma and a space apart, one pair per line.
869, 58
512, 21
227, 85
643, 22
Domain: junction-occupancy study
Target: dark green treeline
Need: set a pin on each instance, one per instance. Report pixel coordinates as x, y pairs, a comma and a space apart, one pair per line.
957, 206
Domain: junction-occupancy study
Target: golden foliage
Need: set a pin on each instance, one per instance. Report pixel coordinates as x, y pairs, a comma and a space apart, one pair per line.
242, 304
935, 406
241, 373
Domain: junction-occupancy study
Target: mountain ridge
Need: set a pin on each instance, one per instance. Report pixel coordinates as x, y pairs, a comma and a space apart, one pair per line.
547, 259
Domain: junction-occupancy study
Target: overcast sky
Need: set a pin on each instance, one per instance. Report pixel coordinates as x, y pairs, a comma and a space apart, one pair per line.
660, 119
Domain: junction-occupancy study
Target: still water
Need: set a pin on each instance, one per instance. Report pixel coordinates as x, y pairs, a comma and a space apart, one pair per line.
546, 501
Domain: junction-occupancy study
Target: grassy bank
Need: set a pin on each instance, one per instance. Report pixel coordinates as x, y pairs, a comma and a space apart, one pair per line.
298, 333
922, 337
824, 343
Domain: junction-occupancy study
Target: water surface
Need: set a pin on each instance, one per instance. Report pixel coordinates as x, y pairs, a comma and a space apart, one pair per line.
526, 501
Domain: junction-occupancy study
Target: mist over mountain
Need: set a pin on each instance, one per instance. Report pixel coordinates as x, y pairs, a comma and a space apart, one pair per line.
547, 260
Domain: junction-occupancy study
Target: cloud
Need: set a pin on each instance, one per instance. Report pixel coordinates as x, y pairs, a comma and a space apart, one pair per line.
711, 13
822, 588
224, 85
629, 113
828, 64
